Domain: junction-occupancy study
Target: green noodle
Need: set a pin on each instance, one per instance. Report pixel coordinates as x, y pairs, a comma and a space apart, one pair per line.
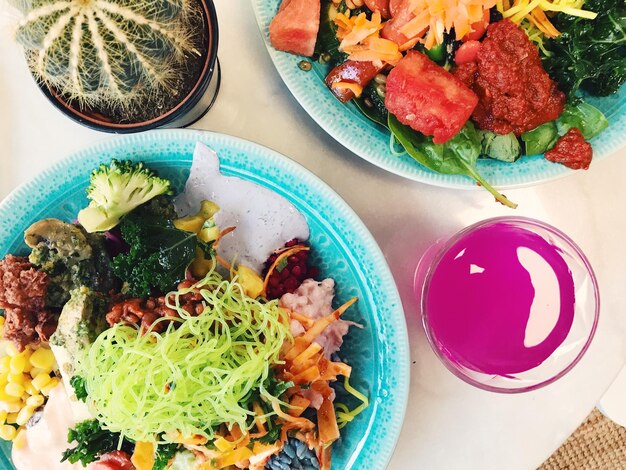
200, 373
343, 413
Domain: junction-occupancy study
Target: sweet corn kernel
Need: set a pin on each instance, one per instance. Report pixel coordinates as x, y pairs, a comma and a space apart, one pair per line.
1, 322
42, 358
19, 440
24, 415
30, 388
45, 391
18, 362
4, 379
41, 380
12, 418
5, 397
17, 379
11, 350
5, 364
35, 371
14, 390
3, 416
10, 407
28, 367
7, 432
35, 401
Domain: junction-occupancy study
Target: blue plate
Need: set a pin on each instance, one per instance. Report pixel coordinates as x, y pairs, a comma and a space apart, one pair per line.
371, 142
343, 249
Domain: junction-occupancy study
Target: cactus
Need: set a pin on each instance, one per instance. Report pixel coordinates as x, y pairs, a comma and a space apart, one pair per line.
108, 53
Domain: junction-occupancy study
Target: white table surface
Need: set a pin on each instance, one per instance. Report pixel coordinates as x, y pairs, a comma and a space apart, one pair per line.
449, 424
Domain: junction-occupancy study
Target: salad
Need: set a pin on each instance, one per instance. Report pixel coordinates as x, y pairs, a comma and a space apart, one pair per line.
133, 338
452, 81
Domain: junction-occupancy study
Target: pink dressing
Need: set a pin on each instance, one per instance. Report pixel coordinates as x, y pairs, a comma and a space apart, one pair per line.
46, 441
501, 300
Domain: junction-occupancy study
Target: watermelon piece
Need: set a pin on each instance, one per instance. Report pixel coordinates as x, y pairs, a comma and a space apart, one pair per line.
428, 98
295, 26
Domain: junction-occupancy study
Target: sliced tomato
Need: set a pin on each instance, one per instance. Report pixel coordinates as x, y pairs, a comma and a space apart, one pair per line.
468, 52
351, 71
428, 98
478, 29
379, 5
295, 26
116, 460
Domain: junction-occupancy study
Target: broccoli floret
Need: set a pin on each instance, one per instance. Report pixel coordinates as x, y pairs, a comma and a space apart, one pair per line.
117, 189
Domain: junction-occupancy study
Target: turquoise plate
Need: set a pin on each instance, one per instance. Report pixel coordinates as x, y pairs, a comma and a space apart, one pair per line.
343, 247
371, 142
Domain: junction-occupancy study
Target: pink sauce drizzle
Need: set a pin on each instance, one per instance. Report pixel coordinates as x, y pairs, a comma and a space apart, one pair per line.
479, 319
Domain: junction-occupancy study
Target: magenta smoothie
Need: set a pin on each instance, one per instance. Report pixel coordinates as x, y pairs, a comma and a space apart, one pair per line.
500, 300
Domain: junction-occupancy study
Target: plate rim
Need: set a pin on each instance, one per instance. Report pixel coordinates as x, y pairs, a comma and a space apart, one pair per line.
401, 338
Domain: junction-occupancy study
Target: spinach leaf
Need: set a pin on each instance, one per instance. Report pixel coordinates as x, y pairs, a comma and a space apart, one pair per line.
590, 54
541, 139
158, 257
92, 443
505, 147
457, 156
585, 117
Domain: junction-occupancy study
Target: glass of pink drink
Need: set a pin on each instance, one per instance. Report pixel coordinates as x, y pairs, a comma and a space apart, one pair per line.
509, 304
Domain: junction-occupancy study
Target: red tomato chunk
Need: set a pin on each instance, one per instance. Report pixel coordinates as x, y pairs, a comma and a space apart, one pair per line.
572, 151
428, 98
294, 28
516, 94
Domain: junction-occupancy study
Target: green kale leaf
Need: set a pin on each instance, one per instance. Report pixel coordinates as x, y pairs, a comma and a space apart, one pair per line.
164, 453
78, 383
590, 54
158, 257
92, 443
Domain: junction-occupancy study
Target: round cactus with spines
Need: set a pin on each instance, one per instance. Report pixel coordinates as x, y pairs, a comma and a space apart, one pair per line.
108, 52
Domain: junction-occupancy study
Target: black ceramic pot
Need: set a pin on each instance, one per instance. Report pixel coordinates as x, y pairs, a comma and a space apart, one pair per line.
193, 106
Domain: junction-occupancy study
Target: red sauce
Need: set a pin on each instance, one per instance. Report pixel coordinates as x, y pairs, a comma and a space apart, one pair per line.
515, 92
572, 151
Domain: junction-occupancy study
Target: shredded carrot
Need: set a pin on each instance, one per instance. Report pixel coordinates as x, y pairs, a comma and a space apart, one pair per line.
353, 30
222, 234
375, 49
435, 17
302, 423
328, 429
305, 321
308, 353
324, 457
535, 12
353, 87
303, 342
299, 404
